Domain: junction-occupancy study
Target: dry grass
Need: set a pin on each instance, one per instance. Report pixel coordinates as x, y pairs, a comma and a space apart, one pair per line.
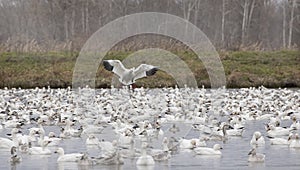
242, 69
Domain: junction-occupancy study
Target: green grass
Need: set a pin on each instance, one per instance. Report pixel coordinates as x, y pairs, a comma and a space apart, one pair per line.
242, 69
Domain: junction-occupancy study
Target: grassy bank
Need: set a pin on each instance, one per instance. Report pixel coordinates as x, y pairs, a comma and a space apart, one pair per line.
242, 69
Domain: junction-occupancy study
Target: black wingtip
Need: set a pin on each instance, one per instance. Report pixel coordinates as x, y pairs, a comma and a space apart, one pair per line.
107, 66
151, 72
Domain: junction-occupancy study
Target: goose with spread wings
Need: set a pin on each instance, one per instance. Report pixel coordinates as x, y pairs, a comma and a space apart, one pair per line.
129, 76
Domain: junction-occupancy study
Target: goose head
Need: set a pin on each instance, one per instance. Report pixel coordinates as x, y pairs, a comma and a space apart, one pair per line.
60, 151
217, 147
13, 150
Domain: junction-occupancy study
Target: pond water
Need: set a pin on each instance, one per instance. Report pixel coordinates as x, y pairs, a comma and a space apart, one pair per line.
234, 153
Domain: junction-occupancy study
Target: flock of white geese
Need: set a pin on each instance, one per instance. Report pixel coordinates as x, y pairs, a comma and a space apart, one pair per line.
140, 116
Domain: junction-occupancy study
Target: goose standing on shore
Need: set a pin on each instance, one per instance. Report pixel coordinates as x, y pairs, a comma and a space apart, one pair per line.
129, 76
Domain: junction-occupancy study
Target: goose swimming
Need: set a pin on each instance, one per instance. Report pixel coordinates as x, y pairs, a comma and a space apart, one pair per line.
129, 76
14, 157
43, 150
255, 157
294, 141
209, 151
257, 139
71, 157
145, 159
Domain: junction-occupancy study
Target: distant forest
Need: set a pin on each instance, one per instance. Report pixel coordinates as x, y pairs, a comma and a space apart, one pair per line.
65, 25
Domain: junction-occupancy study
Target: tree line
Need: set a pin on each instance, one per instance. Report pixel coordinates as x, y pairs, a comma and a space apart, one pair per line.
46, 25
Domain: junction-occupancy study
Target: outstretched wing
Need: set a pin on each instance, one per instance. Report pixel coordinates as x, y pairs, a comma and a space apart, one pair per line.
144, 70
115, 66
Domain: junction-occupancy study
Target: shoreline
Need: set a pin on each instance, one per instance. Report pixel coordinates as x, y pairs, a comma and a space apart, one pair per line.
273, 69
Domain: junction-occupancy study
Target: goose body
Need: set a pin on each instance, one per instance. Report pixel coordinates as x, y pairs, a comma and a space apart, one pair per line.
92, 140
6, 143
255, 157
14, 157
40, 150
279, 141
145, 159
257, 139
72, 157
129, 76
277, 131
295, 141
208, 151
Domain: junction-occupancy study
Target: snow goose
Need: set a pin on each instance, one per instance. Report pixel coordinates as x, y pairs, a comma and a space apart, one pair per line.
71, 157
295, 141
43, 150
6, 143
281, 141
257, 139
208, 151
192, 143
14, 156
255, 157
164, 154
92, 140
145, 159
273, 131
85, 160
54, 141
129, 76
296, 124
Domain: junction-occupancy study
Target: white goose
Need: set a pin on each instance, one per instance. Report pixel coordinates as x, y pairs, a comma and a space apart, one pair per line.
71, 157
14, 156
296, 124
129, 76
92, 140
192, 143
164, 154
257, 139
281, 141
145, 159
273, 131
208, 151
255, 157
295, 141
43, 150
6, 143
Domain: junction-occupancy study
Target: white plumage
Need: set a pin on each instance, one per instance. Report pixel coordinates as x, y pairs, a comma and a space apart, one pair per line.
71, 157
209, 151
255, 157
129, 76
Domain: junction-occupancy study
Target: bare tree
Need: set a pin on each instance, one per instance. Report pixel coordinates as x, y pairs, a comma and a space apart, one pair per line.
291, 23
248, 8
284, 25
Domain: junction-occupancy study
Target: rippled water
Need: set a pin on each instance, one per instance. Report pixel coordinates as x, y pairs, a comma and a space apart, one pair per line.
234, 154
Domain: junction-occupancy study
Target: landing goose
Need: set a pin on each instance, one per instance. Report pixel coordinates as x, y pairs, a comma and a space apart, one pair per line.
129, 76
